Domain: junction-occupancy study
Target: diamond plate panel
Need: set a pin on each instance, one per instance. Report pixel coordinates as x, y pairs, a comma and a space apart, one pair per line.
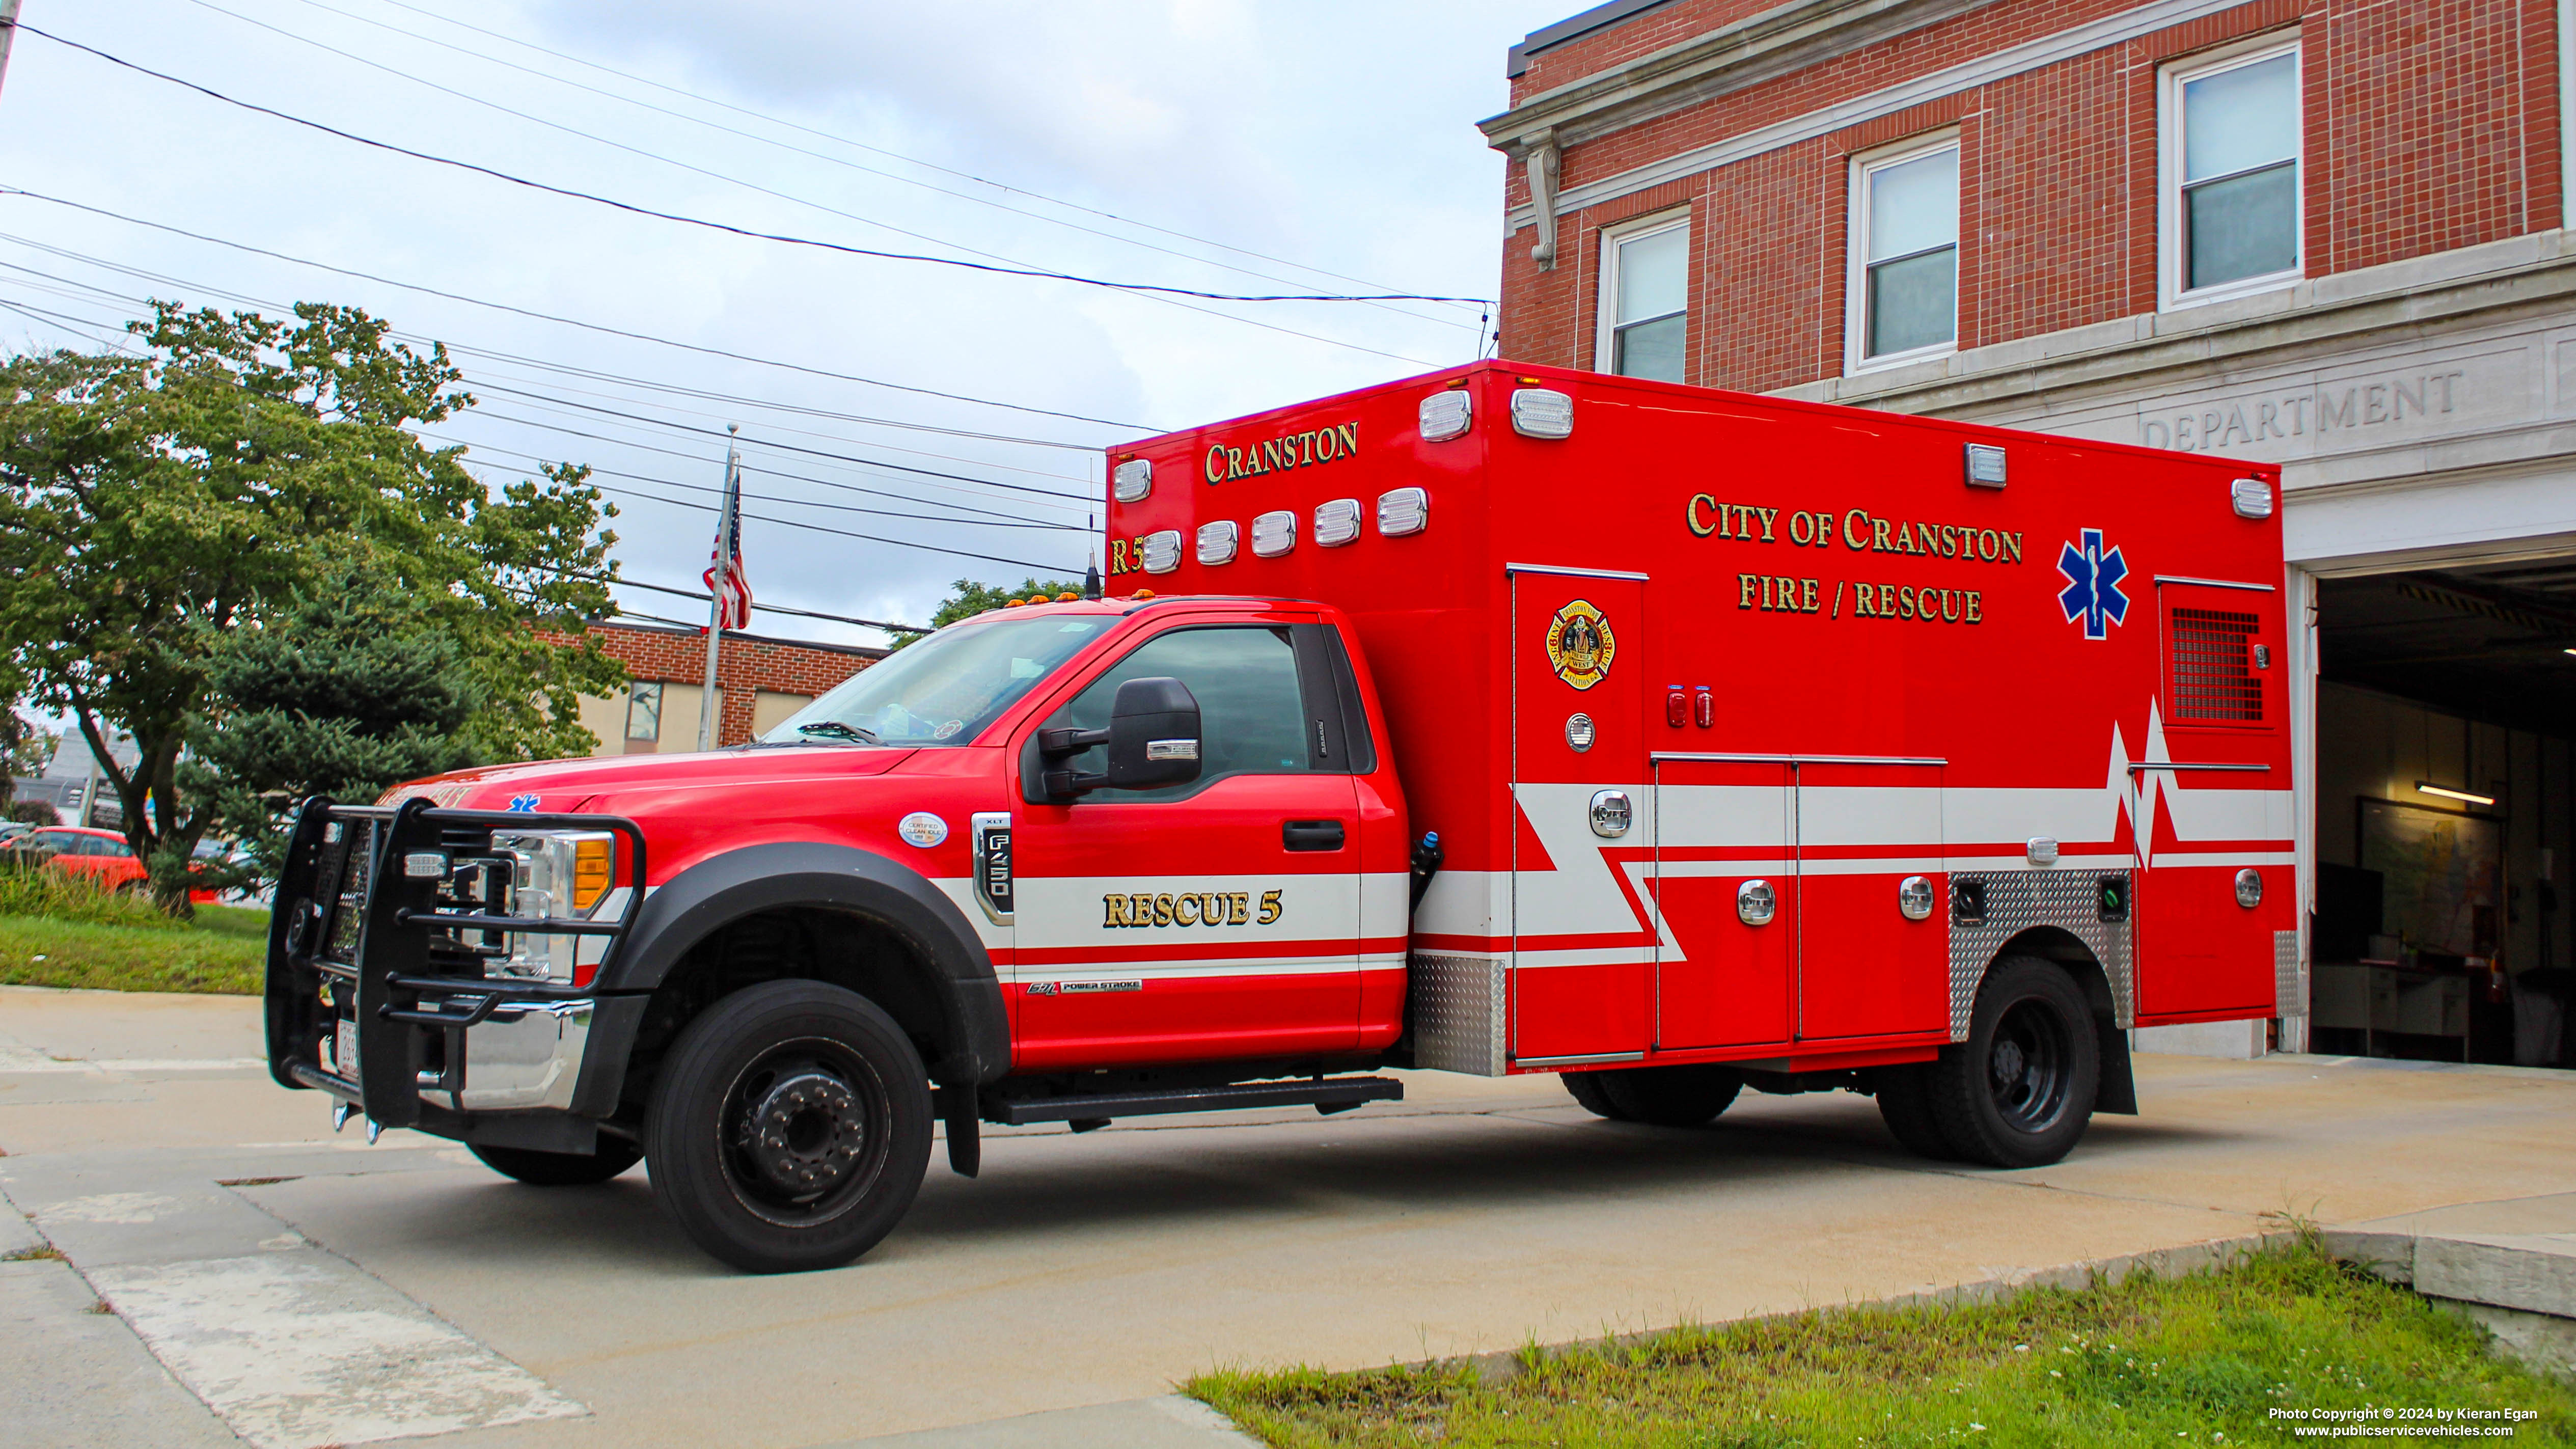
2289, 983
2019, 900
1456, 1005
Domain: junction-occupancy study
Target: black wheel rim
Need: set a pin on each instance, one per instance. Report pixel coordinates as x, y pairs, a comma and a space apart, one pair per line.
2026, 1066
805, 1132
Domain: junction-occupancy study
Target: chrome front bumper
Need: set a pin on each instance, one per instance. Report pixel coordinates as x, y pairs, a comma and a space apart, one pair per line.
525, 1056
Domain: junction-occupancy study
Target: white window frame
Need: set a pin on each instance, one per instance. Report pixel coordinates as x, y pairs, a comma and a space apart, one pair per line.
2170, 80
1605, 309
1856, 256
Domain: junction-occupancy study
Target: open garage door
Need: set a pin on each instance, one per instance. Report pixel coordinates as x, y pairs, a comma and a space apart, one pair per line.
2445, 792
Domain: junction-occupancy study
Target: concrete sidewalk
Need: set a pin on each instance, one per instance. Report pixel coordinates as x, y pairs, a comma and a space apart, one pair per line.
1082, 1277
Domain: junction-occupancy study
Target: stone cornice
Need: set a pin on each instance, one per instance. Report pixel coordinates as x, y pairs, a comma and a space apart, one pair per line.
1776, 42
2528, 273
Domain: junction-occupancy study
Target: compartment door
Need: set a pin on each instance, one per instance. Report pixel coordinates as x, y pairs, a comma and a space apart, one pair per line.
1865, 968
1580, 951
1720, 978
2221, 805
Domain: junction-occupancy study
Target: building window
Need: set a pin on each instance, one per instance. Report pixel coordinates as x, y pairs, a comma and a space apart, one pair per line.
2231, 205
644, 712
1645, 299
1904, 300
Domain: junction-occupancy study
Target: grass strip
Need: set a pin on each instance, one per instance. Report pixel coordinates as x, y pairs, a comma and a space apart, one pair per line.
223, 952
2228, 1356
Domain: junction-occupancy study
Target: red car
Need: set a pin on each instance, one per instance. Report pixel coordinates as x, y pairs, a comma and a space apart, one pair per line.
102, 855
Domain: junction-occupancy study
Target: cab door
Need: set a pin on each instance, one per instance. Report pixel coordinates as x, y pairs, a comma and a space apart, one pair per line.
1215, 920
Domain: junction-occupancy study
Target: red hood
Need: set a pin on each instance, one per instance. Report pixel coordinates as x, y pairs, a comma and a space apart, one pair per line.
564, 785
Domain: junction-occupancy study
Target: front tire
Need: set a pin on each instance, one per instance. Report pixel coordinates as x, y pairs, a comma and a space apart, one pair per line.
1657, 1096
2019, 1091
560, 1169
790, 1127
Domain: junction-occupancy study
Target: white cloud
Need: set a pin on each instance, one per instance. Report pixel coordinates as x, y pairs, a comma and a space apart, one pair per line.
1336, 135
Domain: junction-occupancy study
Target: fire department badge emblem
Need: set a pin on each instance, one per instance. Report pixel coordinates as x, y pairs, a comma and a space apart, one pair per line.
1580, 645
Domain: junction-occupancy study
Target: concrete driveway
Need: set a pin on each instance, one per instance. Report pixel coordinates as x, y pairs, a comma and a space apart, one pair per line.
313, 1289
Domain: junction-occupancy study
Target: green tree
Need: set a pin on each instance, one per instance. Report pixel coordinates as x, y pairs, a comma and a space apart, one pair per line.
153, 505
968, 598
345, 693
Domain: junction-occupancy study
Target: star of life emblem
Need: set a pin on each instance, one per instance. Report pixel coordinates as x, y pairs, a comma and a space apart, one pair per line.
2092, 593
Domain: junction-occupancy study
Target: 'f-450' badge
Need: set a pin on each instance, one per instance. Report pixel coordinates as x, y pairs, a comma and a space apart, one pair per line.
1580, 645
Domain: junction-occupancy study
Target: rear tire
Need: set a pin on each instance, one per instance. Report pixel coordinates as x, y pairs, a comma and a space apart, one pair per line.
2019, 1091
560, 1169
1657, 1096
1905, 1105
790, 1127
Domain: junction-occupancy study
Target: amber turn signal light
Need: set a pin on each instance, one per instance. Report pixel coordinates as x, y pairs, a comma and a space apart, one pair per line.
594, 865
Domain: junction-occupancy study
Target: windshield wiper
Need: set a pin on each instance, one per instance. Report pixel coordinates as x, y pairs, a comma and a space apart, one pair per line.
834, 729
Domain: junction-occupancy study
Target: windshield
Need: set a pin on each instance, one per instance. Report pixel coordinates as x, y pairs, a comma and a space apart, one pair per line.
945, 689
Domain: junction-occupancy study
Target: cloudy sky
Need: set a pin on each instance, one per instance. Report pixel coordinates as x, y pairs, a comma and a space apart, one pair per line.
1221, 145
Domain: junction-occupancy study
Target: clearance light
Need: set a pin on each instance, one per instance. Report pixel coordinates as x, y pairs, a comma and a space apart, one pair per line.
1274, 533
1402, 511
1130, 481
1141, 595
1446, 415
2446, 792
1163, 551
2251, 497
593, 859
1217, 541
1338, 522
1539, 412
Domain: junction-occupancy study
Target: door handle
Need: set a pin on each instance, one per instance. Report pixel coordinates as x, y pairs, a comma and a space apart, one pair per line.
1311, 834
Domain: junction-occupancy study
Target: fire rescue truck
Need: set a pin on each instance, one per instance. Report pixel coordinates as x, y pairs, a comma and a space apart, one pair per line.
1499, 721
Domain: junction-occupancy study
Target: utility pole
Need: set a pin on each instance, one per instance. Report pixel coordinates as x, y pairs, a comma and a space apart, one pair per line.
8, 32
710, 703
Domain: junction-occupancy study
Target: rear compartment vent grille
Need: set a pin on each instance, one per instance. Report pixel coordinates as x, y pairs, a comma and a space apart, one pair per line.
2213, 667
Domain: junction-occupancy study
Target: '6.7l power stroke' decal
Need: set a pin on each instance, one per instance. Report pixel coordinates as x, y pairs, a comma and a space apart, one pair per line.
1192, 908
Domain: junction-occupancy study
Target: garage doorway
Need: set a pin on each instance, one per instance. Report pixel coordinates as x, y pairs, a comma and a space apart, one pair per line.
2445, 791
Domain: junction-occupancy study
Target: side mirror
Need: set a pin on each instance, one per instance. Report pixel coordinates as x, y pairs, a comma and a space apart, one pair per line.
1153, 735
1153, 740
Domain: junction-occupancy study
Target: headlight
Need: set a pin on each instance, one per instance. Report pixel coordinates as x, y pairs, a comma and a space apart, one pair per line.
557, 874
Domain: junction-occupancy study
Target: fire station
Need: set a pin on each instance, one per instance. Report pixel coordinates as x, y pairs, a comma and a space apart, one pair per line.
2306, 233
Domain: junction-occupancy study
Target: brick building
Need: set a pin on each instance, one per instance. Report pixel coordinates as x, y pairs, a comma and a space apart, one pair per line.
2321, 233
762, 682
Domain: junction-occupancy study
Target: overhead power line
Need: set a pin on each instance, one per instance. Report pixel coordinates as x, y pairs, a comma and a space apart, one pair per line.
463, 350
745, 135
701, 596
867, 537
763, 497
1070, 502
602, 328
684, 94
753, 233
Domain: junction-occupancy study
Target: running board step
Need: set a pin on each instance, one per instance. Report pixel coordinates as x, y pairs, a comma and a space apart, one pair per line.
1338, 1094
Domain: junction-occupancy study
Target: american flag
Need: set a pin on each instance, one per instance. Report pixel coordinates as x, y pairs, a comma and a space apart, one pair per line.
724, 577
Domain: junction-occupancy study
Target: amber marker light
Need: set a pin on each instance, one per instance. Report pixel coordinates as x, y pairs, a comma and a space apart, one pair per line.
594, 864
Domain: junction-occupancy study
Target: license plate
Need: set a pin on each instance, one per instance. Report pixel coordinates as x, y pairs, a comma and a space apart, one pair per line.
344, 1049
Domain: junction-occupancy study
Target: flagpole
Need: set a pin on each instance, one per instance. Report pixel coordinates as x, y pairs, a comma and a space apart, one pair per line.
710, 703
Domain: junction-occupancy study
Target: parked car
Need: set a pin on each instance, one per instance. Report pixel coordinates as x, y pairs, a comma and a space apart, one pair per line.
12, 829
102, 855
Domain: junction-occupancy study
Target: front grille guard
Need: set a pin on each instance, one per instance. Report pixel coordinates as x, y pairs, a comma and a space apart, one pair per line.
348, 918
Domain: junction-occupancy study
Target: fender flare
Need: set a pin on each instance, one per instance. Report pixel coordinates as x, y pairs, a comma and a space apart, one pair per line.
725, 888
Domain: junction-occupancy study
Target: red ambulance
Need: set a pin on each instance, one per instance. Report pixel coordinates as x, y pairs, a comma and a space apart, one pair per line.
1503, 720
